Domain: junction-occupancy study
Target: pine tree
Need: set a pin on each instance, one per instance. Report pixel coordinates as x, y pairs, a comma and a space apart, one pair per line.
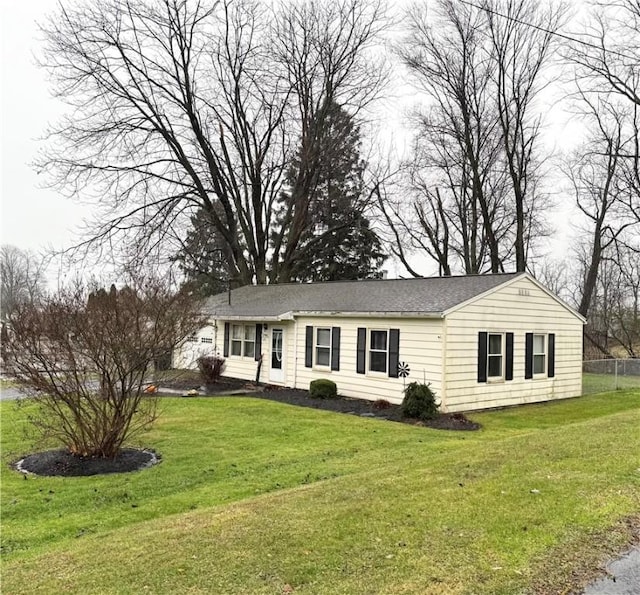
339, 242
201, 257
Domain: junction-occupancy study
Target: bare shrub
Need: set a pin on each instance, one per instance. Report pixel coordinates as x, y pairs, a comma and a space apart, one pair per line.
211, 367
82, 355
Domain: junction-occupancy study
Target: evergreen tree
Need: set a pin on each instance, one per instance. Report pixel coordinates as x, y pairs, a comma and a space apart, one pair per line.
339, 242
201, 257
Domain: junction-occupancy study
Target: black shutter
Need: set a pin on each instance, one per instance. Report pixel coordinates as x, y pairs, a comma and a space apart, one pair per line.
528, 355
258, 349
335, 348
508, 370
482, 356
551, 364
225, 349
361, 351
394, 352
308, 348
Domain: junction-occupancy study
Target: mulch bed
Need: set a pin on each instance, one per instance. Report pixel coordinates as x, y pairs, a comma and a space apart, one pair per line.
379, 409
62, 462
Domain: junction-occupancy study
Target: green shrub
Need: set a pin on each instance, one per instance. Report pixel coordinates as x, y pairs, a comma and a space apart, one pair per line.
323, 389
419, 402
210, 367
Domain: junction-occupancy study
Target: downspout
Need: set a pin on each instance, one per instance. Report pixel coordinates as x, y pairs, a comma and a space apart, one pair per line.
443, 366
295, 352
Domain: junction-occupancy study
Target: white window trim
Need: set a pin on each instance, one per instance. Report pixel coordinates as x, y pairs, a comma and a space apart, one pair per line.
316, 345
243, 341
545, 353
501, 378
384, 373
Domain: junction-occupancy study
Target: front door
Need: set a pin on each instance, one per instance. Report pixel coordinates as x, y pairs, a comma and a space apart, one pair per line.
276, 371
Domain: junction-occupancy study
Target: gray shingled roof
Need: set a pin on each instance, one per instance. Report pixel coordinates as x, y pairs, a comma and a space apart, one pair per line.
432, 295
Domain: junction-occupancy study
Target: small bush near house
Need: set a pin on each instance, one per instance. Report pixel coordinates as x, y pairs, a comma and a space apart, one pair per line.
419, 402
210, 367
381, 405
323, 389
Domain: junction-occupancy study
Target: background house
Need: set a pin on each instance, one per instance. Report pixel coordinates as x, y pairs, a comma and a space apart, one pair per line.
480, 340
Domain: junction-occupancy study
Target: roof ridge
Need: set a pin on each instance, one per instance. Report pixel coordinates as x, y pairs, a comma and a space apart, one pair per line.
369, 280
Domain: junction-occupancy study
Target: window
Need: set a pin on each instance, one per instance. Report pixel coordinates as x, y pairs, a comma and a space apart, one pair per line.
236, 339
243, 340
323, 347
495, 356
539, 354
249, 341
193, 338
378, 351
206, 340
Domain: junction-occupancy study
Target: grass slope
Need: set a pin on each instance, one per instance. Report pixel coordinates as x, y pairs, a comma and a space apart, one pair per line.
259, 497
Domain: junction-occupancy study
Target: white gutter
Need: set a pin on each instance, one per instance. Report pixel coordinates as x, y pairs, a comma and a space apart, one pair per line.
339, 314
292, 315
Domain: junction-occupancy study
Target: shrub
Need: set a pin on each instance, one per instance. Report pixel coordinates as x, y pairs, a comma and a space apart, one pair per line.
210, 367
419, 402
323, 389
83, 355
381, 404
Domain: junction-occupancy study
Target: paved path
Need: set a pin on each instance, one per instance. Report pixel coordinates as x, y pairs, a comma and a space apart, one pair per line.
9, 393
624, 579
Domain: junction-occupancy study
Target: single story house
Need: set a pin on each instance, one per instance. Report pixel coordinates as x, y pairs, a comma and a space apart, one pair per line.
481, 341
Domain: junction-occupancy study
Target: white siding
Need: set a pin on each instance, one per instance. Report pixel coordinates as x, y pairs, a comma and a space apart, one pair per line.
242, 367
186, 354
520, 307
420, 348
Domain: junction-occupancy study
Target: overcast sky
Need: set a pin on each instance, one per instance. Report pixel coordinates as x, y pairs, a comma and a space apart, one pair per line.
34, 217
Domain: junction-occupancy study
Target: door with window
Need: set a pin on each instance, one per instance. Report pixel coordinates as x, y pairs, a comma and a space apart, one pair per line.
276, 368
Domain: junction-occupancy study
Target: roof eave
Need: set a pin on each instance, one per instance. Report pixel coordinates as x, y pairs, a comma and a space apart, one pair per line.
386, 314
289, 316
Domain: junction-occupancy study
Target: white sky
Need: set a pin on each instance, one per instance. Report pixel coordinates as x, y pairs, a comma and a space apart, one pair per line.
37, 218
32, 217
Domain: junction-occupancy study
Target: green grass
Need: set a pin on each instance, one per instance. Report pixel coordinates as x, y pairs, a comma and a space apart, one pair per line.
258, 497
600, 383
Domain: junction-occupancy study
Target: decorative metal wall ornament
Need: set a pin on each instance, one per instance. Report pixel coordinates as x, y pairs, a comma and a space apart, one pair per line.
403, 372
403, 369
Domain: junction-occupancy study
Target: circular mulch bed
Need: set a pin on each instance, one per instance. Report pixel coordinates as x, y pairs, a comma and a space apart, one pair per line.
62, 462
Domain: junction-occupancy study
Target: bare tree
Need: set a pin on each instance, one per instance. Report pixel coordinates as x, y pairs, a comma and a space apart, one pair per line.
596, 172
523, 37
607, 82
21, 278
607, 62
180, 106
476, 202
625, 327
453, 176
83, 354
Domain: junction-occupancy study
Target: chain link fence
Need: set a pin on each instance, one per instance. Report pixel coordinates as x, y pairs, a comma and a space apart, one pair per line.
604, 375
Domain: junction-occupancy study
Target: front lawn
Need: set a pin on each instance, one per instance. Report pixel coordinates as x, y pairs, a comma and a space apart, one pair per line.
254, 496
